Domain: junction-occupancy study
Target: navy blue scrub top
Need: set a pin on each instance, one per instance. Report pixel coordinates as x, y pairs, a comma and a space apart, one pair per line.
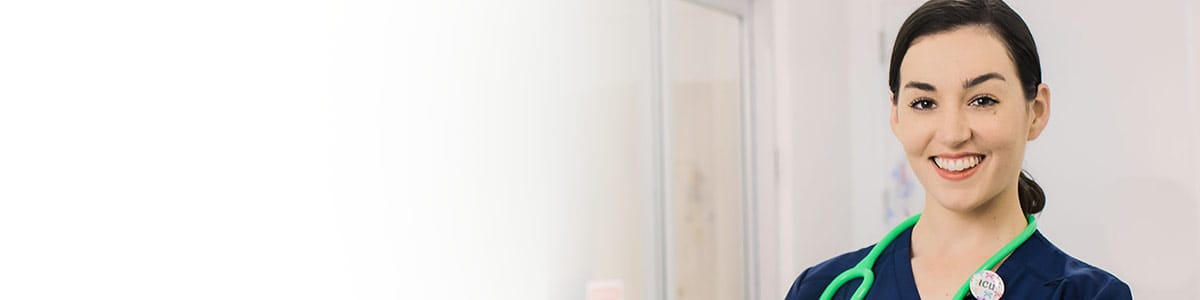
1035, 270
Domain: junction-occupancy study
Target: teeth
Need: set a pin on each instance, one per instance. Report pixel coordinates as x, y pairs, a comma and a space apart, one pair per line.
957, 164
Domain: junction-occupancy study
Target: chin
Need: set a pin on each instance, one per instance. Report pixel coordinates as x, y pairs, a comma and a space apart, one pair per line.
958, 201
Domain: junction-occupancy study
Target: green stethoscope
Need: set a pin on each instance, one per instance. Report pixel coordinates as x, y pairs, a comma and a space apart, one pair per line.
864, 266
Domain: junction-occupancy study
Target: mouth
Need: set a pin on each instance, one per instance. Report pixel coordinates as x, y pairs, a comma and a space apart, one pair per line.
957, 166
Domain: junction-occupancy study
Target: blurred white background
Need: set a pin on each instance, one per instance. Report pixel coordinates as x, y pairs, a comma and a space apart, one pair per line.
539, 149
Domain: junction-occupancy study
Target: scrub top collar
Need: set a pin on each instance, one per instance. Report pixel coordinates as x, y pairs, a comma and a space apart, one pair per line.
1019, 266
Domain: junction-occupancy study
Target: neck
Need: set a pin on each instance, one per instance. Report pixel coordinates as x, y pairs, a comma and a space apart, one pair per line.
979, 232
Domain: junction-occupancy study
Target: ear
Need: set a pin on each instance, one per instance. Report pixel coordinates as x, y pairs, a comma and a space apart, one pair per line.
1040, 110
895, 117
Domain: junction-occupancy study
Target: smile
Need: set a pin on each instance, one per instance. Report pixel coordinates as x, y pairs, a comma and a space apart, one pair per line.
957, 167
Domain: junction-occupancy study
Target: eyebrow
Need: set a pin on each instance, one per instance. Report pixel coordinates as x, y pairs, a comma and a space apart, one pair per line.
966, 84
981, 79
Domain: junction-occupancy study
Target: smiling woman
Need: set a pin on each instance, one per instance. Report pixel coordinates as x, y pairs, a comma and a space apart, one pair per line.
976, 114
966, 96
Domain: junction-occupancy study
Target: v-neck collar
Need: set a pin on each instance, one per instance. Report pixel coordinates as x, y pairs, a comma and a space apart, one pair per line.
902, 259
907, 285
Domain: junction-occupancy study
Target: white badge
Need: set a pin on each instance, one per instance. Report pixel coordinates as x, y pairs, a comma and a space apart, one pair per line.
987, 285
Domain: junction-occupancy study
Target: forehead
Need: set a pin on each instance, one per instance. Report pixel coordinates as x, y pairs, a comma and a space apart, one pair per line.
954, 56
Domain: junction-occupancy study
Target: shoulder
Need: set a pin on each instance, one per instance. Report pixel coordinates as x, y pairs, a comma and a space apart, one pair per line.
1081, 280
813, 280
1076, 279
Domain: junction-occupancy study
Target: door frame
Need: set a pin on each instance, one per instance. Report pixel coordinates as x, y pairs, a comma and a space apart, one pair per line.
758, 150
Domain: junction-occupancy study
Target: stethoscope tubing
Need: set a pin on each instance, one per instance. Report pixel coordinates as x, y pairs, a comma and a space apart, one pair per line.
864, 266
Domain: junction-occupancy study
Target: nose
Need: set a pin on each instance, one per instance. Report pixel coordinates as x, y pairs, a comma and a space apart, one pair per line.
954, 130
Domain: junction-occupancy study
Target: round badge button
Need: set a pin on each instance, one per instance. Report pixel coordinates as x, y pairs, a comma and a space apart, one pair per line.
987, 285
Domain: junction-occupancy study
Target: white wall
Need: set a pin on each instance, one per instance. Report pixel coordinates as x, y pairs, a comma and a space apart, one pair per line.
809, 91
154, 150
324, 149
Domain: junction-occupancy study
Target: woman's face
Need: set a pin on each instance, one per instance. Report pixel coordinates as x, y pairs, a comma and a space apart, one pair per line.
962, 117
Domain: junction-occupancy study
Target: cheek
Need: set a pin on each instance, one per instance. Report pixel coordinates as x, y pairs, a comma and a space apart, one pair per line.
1003, 134
913, 136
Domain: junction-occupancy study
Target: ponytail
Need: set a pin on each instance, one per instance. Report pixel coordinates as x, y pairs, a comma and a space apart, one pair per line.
1031, 196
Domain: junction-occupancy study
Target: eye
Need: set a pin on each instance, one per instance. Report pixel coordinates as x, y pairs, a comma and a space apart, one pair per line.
922, 104
983, 101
